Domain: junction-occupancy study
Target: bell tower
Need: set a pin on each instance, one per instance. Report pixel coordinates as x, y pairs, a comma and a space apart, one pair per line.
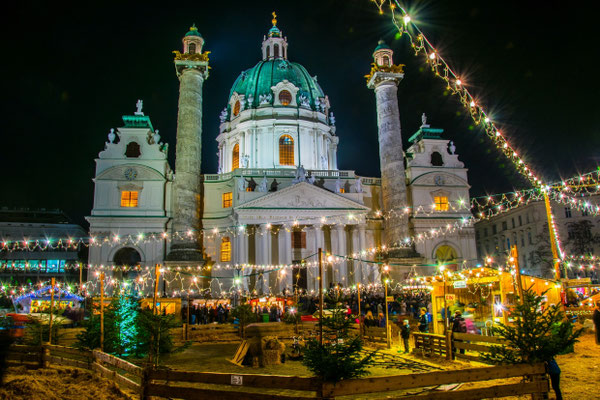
191, 67
384, 79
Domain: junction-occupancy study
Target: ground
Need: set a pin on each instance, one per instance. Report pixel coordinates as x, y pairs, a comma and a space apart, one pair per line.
579, 378
58, 383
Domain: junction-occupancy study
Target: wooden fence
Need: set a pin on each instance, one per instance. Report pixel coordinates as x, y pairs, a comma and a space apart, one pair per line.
209, 385
376, 336
464, 346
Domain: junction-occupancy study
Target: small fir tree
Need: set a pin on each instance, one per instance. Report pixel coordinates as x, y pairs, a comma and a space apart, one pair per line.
339, 356
536, 335
125, 324
244, 314
154, 335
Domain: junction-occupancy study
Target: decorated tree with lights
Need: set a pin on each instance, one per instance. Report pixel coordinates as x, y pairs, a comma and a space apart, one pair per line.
125, 324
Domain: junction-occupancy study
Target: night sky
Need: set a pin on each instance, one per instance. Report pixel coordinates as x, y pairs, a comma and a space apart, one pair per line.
70, 70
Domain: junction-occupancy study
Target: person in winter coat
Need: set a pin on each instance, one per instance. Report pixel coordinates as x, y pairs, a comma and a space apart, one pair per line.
554, 372
423, 322
405, 334
596, 319
459, 325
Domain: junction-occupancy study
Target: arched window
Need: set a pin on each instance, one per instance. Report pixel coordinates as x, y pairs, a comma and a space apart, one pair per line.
276, 51
192, 48
436, 159
127, 256
386, 61
225, 249
286, 150
445, 253
235, 157
133, 150
236, 108
268, 52
285, 97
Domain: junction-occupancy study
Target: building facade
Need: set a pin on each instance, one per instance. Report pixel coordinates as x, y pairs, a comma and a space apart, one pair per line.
278, 195
527, 227
44, 257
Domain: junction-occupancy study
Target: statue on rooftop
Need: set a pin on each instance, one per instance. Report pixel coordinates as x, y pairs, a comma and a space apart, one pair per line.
138, 107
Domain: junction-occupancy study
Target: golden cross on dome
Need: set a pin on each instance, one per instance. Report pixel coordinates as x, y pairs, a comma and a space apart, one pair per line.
274, 20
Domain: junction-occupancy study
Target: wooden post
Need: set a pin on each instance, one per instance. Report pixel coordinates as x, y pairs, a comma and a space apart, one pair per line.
449, 345
387, 322
156, 278
445, 304
187, 324
515, 255
360, 332
80, 278
503, 299
553, 239
52, 283
320, 256
45, 359
102, 311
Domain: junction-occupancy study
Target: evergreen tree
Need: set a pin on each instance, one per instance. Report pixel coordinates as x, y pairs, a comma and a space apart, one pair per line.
535, 335
339, 356
154, 335
125, 324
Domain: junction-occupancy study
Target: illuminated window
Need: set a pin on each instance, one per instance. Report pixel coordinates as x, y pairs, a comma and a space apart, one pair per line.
441, 203
285, 97
227, 199
286, 150
342, 190
445, 253
236, 108
225, 249
386, 61
129, 198
235, 157
192, 48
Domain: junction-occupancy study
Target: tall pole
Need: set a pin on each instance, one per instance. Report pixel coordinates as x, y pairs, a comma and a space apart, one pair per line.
445, 305
52, 283
156, 278
80, 278
515, 257
387, 323
320, 255
102, 311
553, 239
359, 313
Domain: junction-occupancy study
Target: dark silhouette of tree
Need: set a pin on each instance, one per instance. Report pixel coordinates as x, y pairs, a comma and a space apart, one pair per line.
581, 240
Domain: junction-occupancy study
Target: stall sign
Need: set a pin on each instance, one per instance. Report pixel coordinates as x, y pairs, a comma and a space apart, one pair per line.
460, 284
450, 297
390, 298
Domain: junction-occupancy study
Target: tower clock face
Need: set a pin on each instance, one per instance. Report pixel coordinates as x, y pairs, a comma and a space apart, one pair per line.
130, 174
439, 180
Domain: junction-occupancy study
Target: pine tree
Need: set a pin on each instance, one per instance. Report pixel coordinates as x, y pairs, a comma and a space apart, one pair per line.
535, 335
339, 356
125, 324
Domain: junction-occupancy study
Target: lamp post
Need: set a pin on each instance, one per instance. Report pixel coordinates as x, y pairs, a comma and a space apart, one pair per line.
386, 268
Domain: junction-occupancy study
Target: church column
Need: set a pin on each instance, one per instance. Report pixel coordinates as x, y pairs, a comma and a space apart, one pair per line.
341, 276
355, 275
262, 256
311, 241
384, 79
362, 245
287, 280
319, 244
187, 191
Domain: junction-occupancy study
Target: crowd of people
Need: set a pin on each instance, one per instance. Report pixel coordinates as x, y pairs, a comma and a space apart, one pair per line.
202, 314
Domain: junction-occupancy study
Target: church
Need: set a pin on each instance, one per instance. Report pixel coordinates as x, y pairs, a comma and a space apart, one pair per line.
276, 195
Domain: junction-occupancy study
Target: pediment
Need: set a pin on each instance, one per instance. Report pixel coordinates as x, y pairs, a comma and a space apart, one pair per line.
130, 172
303, 196
439, 178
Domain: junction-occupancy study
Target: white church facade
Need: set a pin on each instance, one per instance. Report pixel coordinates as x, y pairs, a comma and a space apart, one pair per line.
278, 195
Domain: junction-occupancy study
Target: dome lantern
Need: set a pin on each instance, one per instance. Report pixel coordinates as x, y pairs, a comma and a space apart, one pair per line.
193, 41
274, 45
383, 55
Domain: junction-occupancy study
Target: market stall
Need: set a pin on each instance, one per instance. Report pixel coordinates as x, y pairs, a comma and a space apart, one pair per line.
483, 295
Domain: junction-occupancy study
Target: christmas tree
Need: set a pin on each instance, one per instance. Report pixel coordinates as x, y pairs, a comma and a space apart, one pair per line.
125, 324
537, 334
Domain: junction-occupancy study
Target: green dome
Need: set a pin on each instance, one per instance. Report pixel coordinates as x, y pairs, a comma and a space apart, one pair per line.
382, 45
193, 31
267, 73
